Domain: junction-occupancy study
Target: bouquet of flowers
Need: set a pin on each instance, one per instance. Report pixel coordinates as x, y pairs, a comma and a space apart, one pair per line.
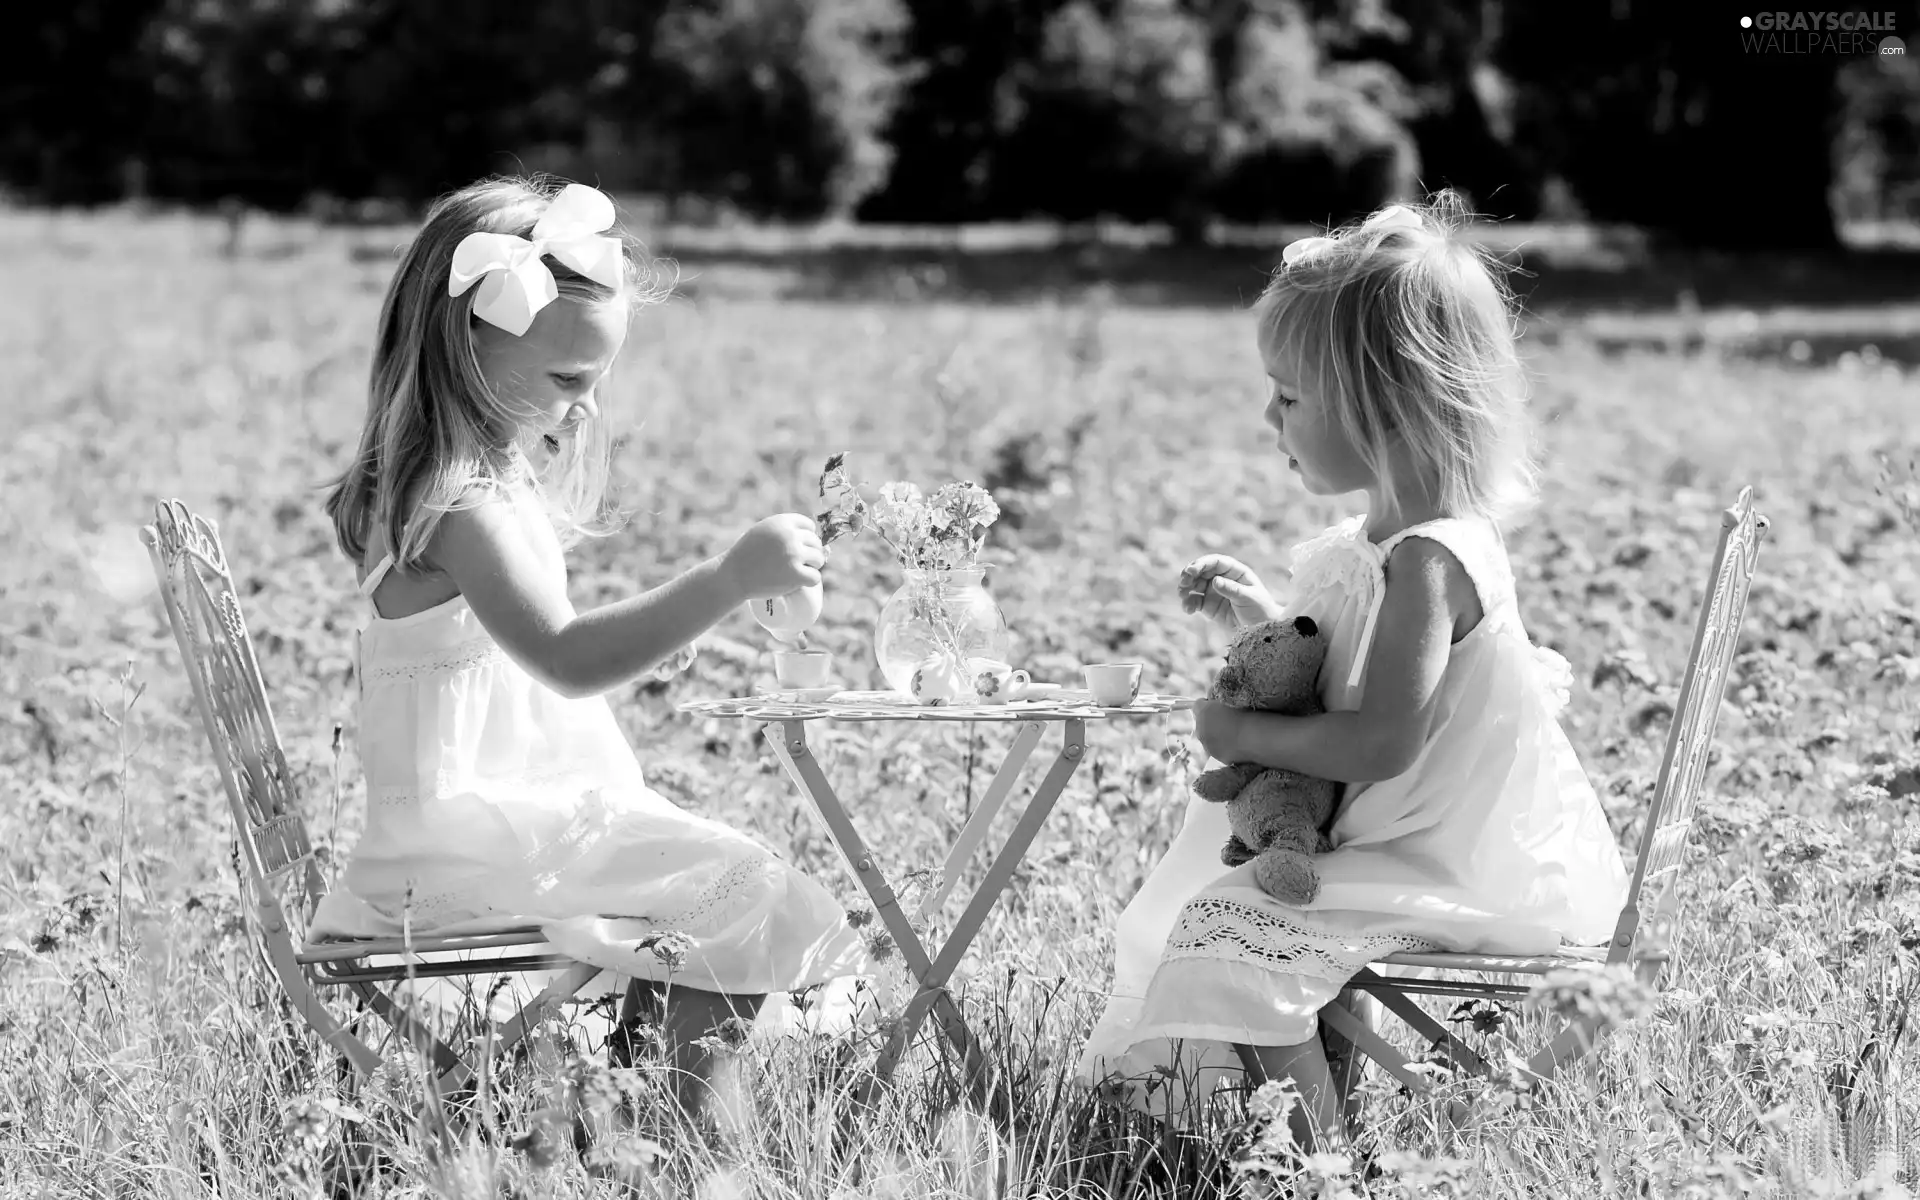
930, 632
938, 533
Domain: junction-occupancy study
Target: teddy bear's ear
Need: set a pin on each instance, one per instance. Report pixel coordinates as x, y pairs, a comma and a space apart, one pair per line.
1305, 627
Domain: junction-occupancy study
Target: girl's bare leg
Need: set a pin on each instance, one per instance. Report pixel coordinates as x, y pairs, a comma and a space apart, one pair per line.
1318, 1123
687, 1015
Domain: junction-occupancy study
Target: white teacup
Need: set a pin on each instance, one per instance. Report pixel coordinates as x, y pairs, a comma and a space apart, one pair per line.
802, 668
1113, 685
996, 682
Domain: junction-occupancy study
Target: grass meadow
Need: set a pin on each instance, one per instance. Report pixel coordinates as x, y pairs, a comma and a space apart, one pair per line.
1112, 398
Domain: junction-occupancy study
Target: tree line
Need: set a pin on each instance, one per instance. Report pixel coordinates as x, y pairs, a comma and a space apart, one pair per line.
1178, 111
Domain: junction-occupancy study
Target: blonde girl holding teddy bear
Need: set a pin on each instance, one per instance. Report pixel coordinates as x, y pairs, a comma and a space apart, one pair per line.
1467, 822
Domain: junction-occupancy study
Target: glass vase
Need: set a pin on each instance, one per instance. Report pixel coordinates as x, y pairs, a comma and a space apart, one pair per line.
938, 611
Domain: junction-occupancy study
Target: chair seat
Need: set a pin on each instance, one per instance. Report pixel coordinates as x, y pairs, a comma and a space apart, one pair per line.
345, 949
1576, 958
347, 960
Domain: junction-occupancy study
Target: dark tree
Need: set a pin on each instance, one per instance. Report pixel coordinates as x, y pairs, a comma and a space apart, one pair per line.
1656, 115
74, 94
955, 105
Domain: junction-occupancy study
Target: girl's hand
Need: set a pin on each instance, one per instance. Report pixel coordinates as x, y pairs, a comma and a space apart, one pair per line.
1217, 727
775, 556
681, 660
1225, 591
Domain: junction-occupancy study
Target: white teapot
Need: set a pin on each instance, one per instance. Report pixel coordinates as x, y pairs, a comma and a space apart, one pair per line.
941, 679
791, 615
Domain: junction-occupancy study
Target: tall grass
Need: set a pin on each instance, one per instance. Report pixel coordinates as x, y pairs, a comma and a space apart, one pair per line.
144, 1051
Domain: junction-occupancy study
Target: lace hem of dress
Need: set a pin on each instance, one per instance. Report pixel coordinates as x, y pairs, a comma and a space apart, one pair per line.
730, 890
483, 652
1215, 927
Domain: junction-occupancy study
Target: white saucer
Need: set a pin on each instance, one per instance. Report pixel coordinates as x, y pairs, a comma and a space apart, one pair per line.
1036, 691
802, 694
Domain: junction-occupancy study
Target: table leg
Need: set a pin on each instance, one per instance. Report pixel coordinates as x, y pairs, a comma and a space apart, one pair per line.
978, 821
792, 750
933, 989
1000, 871
929, 974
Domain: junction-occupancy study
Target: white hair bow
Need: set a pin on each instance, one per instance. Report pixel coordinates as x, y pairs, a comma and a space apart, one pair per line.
514, 283
1393, 216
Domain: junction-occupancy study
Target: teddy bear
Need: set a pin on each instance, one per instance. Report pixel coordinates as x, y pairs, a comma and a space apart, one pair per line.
1278, 817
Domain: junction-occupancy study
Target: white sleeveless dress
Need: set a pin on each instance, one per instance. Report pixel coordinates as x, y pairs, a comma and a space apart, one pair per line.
1492, 841
493, 800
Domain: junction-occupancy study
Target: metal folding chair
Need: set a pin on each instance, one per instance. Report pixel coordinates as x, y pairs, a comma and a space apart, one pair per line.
277, 853
1647, 932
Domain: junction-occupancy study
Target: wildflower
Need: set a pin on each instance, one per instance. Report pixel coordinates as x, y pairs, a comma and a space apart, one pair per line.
965, 506
670, 948
1273, 1101
1486, 1016
590, 1084
941, 532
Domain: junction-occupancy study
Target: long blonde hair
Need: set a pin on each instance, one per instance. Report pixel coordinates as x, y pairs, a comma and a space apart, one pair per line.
433, 424
1409, 333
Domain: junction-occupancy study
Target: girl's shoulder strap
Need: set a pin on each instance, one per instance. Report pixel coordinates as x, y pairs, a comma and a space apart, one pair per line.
1476, 543
379, 572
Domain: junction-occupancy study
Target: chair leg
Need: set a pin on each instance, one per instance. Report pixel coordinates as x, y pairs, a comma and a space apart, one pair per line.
532, 1014
1409, 1011
1374, 1046
1343, 1057
445, 1058
1363, 1039
280, 956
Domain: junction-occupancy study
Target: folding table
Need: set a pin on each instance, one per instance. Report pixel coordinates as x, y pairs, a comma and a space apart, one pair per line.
784, 718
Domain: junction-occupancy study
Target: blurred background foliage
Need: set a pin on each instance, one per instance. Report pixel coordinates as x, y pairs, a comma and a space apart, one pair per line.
1181, 112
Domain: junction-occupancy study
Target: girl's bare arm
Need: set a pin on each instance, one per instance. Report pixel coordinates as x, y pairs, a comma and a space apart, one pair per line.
487, 553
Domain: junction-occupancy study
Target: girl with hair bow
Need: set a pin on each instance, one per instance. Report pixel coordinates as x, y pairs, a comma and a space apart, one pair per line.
500, 789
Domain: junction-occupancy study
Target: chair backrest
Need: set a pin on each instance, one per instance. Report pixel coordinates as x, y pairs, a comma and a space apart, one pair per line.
204, 611
1690, 734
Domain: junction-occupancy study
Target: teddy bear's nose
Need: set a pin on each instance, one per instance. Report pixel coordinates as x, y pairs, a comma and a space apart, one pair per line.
1305, 627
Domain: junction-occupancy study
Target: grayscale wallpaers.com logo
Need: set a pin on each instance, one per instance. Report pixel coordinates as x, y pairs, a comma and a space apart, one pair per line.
1821, 33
